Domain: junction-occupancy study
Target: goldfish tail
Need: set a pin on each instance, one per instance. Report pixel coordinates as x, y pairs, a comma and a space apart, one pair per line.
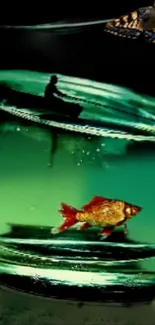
69, 213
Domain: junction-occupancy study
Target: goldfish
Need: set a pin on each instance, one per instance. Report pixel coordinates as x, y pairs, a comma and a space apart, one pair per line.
100, 212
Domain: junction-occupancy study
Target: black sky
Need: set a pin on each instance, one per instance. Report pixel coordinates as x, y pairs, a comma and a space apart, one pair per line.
47, 11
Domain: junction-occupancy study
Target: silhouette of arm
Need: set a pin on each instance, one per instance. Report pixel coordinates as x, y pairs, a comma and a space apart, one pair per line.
59, 93
52, 90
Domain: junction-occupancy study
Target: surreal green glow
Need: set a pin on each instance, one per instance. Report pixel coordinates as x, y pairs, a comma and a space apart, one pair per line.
33, 252
101, 103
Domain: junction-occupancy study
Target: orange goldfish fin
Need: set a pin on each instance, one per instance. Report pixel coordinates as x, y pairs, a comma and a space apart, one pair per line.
121, 223
66, 225
107, 231
84, 226
69, 213
95, 200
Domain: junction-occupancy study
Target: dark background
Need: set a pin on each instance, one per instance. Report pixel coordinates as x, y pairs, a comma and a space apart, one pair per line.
90, 54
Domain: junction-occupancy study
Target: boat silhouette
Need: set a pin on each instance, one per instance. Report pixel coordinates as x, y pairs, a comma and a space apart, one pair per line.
68, 115
22, 100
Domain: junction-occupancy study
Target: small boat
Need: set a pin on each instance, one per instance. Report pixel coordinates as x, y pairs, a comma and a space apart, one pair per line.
67, 116
23, 100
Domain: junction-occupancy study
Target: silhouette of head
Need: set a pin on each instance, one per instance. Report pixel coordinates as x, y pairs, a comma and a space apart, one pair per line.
53, 79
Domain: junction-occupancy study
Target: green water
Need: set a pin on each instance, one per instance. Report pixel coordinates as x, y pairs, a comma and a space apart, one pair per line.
31, 191
83, 166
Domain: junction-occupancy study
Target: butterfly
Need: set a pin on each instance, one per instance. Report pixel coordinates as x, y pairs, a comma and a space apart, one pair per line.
140, 22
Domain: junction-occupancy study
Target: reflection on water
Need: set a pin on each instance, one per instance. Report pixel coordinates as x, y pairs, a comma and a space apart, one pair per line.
40, 167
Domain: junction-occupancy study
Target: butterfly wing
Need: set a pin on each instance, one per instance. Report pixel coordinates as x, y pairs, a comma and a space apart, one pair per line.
128, 26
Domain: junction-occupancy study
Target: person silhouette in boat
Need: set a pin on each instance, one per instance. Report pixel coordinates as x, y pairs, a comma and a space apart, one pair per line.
51, 90
54, 100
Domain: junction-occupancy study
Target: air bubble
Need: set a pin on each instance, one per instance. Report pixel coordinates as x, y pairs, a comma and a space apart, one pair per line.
32, 208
